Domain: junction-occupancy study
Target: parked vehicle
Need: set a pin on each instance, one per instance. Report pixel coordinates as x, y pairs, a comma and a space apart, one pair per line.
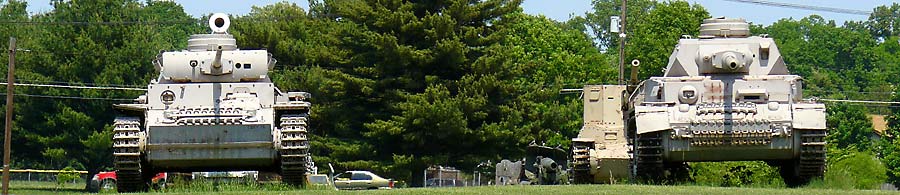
361, 180
106, 181
318, 181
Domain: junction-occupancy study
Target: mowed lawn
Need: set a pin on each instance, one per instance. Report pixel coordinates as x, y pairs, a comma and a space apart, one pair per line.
52, 188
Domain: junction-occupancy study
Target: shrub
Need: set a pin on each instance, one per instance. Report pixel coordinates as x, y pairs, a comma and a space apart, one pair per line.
68, 174
859, 170
735, 174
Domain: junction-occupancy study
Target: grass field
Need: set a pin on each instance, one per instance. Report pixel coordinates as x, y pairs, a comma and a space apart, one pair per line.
18, 187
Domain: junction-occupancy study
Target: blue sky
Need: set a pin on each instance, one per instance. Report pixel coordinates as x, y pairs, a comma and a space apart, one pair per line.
562, 9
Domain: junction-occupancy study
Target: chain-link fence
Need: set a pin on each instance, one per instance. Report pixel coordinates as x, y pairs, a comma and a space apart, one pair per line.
48, 175
483, 174
440, 176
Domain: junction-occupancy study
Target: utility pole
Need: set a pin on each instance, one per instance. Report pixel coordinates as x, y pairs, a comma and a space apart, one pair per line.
622, 35
10, 80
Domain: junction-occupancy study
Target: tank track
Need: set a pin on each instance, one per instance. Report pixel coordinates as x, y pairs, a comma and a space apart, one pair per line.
648, 160
812, 153
811, 162
581, 164
294, 149
127, 155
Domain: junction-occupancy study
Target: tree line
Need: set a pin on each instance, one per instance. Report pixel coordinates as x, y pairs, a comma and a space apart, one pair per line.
398, 86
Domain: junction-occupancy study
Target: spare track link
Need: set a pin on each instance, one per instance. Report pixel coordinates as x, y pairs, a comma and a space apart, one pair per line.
648, 159
127, 155
581, 164
812, 154
294, 148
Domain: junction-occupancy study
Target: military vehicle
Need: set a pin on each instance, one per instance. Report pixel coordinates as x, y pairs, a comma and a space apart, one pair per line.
725, 96
602, 153
543, 165
212, 108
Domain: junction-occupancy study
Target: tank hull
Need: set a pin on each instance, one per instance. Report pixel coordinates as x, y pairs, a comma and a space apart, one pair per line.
679, 150
219, 147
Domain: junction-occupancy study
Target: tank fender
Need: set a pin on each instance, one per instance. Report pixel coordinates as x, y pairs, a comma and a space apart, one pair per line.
808, 116
651, 119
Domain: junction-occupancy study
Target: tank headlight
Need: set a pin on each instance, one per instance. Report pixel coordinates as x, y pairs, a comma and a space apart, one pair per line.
167, 97
688, 95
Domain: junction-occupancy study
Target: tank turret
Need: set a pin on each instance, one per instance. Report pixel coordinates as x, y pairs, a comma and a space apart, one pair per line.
726, 47
214, 57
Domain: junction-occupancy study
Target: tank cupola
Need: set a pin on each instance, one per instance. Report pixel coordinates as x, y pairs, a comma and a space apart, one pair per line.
722, 27
219, 39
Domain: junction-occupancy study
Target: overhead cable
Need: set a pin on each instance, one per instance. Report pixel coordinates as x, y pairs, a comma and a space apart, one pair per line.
68, 97
804, 7
76, 87
860, 101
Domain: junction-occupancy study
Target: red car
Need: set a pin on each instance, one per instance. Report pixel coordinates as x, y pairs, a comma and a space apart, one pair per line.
106, 181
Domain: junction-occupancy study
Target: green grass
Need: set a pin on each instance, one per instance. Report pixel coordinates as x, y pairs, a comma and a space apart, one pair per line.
227, 188
38, 187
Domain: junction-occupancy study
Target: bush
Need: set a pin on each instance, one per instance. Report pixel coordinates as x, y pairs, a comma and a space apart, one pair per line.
858, 170
735, 174
68, 174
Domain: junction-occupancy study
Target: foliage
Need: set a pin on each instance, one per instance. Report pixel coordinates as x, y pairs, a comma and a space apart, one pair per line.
67, 175
860, 170
890, 145
849, 128
436, 78
23, 187
653, 29
52, 133
400, 85
735, 174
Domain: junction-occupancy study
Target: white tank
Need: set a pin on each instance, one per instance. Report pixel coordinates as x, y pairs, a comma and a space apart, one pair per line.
212, 108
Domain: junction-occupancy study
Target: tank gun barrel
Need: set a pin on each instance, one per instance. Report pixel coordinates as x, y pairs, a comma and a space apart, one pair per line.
548, 165
217, 63
633, 82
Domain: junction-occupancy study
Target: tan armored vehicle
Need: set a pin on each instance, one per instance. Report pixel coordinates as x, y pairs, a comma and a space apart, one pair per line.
725, 96
601, 152
213, 108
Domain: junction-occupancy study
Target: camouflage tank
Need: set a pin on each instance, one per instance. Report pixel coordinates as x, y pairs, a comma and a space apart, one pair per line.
212, 108
724, 96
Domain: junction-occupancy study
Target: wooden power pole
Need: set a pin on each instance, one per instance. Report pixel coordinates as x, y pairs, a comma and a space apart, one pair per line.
622, 35
10, 81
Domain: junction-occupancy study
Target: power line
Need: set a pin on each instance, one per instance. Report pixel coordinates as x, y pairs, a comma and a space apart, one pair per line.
86, 54
68, 97
804, 7
79, 84
77, 87
102, 23
855, 92
115, 23
860, 101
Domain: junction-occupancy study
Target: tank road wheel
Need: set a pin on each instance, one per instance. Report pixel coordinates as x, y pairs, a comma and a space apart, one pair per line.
811, 163
648, 159
581, 164
294, 149
127, 155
